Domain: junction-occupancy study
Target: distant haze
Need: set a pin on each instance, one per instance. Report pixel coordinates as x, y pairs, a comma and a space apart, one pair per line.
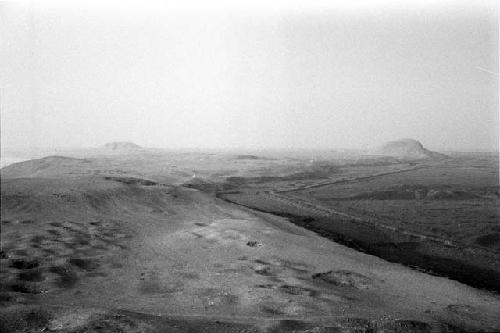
250, 77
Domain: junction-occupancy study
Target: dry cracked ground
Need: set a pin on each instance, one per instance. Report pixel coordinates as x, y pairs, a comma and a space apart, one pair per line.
88, 253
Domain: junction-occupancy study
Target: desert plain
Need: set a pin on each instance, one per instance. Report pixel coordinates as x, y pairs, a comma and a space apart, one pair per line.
129, 239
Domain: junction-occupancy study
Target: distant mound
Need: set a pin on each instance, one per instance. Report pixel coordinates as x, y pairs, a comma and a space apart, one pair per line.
122, 146
408, 149
247, 157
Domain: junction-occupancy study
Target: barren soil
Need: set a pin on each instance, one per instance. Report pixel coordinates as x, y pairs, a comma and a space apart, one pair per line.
97, 244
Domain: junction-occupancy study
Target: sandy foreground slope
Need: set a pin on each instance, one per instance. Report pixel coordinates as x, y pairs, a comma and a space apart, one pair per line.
94, 254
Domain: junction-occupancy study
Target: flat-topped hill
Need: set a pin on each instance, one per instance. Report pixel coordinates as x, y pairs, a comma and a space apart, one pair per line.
122, 145
408, 149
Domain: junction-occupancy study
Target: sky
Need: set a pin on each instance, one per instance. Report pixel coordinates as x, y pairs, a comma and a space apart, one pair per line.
284, 74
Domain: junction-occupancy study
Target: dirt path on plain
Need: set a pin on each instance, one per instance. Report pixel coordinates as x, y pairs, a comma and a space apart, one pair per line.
349, 179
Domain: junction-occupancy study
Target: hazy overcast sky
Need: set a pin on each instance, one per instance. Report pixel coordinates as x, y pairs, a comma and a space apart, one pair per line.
251, 76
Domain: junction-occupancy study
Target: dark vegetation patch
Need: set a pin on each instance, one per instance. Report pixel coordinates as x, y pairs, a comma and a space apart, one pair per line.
229, 299
266, 286
296, 290
127, 321
32, 275
403, 326
413, 192
264, 270
67, 278
24, 320
348, 233
457, 269
260, 261
36, 320
132, 181
50, 251
24, 288
254, 243
116, 265
5, 298
297, 266
270, 309
489, 240
96, 274
84, 263
247, 157
81, 239
54, 232
463, 310
320, 171
353, 324
20, 252
24, 263
38, 239
290, 325
190, 275
110, 324
96, 201
344, 278
450, 195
